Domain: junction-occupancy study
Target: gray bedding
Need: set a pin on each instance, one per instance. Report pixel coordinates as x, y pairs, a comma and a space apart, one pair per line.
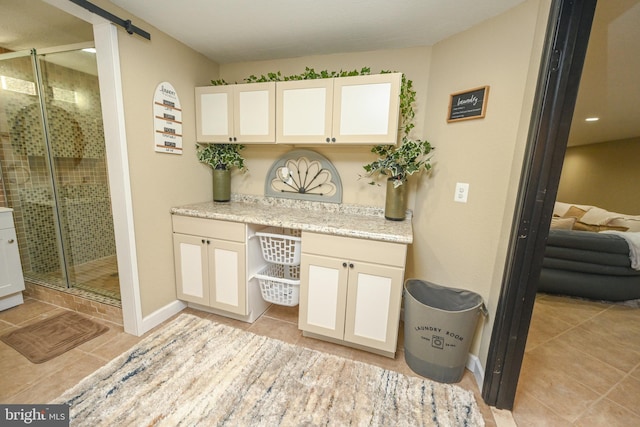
590, 265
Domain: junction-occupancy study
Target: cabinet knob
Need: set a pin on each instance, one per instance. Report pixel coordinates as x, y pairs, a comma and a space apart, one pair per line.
230, 139
328, 140
344, 264
350, 265
333, 140
203, 241
208, 242
11, 240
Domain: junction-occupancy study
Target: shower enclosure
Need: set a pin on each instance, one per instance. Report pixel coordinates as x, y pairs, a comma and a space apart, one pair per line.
53, 170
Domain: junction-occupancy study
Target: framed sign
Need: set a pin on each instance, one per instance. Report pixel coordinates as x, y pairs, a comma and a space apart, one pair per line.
167, 120
468, 105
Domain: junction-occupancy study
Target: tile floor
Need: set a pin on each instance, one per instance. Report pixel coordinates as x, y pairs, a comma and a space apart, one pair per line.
97, 280
24, 382
581, 365
99, 276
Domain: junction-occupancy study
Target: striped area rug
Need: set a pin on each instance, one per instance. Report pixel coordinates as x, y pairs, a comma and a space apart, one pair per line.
197, 372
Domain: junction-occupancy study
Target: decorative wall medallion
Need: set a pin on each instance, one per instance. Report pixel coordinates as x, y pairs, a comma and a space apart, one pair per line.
305, 175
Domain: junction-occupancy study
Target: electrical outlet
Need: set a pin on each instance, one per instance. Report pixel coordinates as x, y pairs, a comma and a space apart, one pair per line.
462, 192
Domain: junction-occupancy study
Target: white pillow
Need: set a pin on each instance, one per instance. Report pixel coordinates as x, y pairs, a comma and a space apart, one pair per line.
562, 223
632, 223
561, 208
599, 216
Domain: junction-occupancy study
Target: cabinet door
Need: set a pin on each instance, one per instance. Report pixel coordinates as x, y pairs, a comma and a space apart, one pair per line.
214, 113
227, 277
254, 113
11, 278
323, 294
192, 276
373, 305
366, 109
304, 111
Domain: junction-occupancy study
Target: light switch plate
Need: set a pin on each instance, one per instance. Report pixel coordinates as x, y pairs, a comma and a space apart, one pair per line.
462, 192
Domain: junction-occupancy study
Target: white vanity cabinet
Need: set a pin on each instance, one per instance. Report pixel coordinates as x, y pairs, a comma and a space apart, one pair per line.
351, 291
11, 277
242, 113
210, 261
344, 110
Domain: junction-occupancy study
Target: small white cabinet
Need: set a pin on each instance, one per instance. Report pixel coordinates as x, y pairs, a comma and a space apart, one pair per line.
11, 277
242, 113
344, 110
351, 291
210, 261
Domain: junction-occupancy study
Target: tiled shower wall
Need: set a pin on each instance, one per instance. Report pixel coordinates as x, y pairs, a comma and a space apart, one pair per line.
87, 225
77, 141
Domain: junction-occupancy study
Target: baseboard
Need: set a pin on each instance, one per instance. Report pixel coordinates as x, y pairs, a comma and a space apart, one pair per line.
474, 365
162, 314
11, 301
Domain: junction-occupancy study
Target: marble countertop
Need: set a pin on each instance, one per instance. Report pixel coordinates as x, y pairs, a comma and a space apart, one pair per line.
328, 218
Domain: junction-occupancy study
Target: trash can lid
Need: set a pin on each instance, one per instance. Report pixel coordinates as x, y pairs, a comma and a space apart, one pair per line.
441, 297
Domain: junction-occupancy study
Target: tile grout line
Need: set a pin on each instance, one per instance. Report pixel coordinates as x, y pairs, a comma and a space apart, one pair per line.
626, 376
601, 396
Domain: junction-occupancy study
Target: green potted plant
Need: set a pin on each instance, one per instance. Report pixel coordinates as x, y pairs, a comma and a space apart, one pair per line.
222, 158
398, 162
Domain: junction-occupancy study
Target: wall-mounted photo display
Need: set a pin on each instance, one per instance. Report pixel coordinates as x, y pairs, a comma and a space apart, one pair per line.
167, 120
469, 104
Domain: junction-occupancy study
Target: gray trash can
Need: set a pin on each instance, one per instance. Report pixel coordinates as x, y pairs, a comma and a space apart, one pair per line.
439, 325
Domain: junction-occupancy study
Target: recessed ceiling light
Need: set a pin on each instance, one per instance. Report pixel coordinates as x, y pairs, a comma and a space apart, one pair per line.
592, 119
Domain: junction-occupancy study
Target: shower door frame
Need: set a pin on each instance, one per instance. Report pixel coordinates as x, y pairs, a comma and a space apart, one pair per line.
44, 120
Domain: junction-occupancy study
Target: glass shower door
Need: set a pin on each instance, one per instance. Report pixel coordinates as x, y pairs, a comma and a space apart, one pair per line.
71, 98
54, 170
28, 187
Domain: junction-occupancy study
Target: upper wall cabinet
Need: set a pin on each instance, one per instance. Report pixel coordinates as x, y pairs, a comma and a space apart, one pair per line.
344, 110
243, 113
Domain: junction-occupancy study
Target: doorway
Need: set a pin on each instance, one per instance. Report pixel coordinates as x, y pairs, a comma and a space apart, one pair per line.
54, 171
553, 126
581, 353
563, 58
